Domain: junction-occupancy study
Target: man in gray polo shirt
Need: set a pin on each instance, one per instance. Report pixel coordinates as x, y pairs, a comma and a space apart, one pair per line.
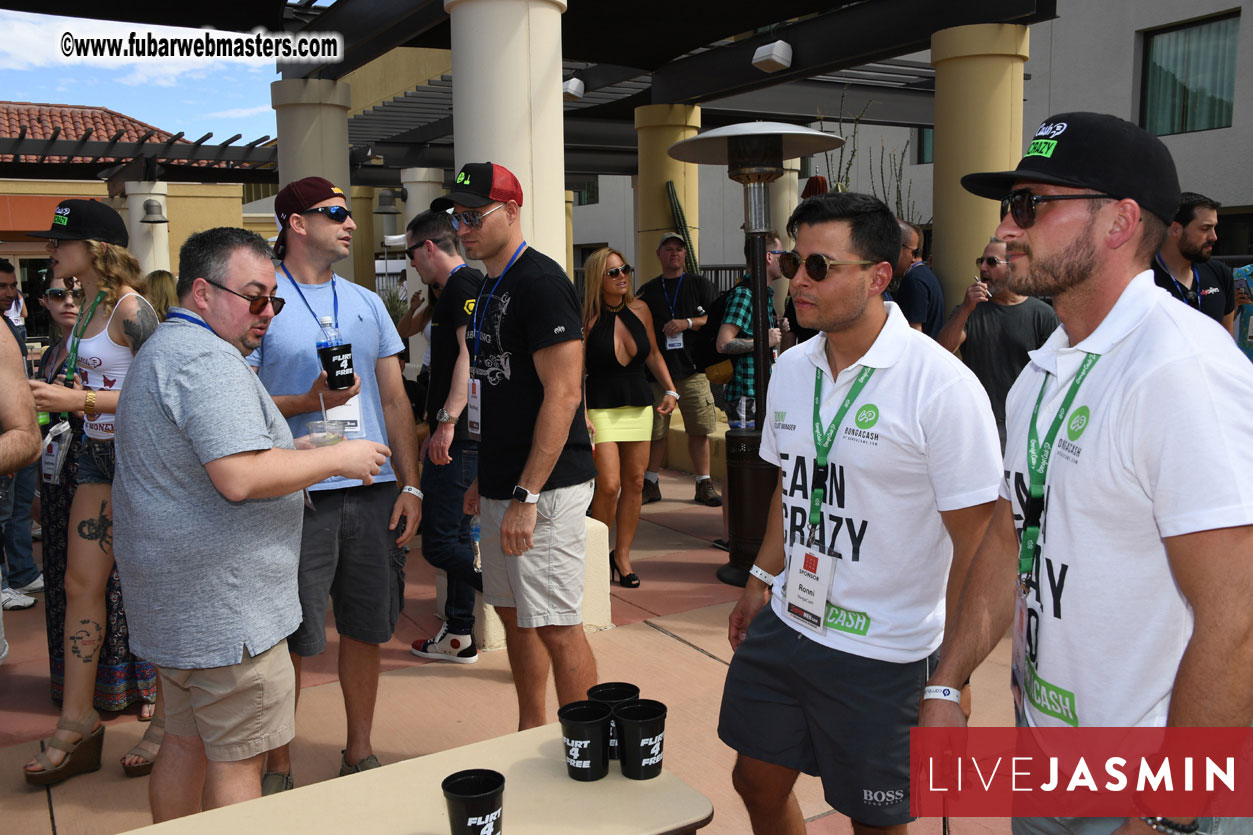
208, 510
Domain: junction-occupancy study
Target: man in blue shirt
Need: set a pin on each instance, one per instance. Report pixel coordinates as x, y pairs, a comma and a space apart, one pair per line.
352, 547
919, 294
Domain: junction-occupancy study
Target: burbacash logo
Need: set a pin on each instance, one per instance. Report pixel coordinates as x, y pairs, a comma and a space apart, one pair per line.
1078, 422
867, 416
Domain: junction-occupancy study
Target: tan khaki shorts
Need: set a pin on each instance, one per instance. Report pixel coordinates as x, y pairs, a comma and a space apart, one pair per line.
238, 711
696, 403
545, 584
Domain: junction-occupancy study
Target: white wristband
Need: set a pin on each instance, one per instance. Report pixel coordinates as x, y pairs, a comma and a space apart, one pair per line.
949, 694
689, 324
672, 393
413, 491
761, 574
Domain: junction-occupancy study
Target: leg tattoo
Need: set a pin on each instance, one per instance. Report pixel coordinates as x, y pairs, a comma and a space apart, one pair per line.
85, 641
99, 529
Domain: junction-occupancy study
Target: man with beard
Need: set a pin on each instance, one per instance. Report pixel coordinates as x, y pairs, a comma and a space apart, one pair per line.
895, 475
1183, 267
995, 338
1128, 590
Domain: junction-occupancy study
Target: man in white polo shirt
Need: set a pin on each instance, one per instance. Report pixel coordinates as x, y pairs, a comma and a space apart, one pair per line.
888, 468
1127, 468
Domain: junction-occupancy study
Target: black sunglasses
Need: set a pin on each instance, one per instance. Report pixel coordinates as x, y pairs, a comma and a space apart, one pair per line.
1022, 204
991, 260
625, 269
916, 251
336, 213
57, 294
471, 218
816, 265
409, 250
256, 304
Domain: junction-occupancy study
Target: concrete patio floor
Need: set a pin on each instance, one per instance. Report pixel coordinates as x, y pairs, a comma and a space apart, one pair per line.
669, 638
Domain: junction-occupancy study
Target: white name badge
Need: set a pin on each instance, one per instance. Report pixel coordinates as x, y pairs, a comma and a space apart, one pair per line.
675, 341
474, 411
349, 412
808, 581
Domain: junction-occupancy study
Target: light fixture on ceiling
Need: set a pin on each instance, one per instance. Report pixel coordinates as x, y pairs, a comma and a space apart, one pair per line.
572, 89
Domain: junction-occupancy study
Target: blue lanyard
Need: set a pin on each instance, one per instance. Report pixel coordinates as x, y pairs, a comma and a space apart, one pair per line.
1196, 283
666, 296
334, 295
479, 316
460, 267
174, 314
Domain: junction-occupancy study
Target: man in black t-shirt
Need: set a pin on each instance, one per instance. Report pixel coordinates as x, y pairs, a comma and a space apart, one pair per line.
450, 458
1183, 267
535, 455
679, 302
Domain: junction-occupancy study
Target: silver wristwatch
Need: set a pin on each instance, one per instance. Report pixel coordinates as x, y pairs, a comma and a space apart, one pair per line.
442, 416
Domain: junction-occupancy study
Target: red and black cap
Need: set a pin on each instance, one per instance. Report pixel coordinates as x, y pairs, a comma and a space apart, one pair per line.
296, 197
86, 220
478, 184
1096, 151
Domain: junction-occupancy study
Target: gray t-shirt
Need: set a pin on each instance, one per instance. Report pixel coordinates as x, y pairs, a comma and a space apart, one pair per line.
998, 337
205, 578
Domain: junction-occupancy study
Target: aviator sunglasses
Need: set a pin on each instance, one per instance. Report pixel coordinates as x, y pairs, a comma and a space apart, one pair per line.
336, 213
471, 218
56, 294
816, 265
256, 304
624, 270
1022, 204
991, 260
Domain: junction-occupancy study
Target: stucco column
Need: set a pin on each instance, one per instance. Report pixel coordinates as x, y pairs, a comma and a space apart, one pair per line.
785, 194
312, 117
150, 242
978, 127
507, 105
658, 126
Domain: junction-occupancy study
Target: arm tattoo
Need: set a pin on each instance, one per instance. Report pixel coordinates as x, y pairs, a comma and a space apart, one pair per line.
99, 529
85, 641
739, 345
141, 327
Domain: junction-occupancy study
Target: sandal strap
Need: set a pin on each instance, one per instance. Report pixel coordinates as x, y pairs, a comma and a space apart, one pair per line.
83, 728
44, 763
148, 747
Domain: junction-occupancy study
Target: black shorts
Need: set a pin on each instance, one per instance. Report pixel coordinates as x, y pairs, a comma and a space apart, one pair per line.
348, 554
793, 702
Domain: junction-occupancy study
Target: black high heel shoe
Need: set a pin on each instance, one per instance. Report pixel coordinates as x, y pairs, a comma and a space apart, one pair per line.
630, 581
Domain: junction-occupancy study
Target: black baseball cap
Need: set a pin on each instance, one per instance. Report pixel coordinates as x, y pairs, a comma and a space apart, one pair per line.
480, 183
1096, 151
86, 220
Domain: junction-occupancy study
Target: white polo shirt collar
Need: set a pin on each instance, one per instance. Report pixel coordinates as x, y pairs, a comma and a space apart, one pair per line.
887, 349
1138, 299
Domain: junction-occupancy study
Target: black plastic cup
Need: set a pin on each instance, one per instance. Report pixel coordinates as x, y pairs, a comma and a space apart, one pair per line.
641, 729
337, 363
613, 693
585, 734
475, 799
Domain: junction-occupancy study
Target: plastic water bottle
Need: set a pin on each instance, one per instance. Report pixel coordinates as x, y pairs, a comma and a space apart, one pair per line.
330, 333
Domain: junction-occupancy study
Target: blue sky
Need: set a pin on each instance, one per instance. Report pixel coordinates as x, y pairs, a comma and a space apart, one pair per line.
191, 95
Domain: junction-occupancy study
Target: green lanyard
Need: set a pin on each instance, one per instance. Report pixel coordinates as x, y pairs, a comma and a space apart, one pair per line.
76, 336
1038, 467
825, 440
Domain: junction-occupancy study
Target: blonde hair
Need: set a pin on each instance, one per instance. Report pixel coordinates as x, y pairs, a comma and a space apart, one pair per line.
159, 290
593, 277
117, 268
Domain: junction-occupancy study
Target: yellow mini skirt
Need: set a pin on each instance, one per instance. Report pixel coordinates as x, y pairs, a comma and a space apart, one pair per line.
623, 424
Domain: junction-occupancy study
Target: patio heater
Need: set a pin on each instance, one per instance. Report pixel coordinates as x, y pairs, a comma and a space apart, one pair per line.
753, 153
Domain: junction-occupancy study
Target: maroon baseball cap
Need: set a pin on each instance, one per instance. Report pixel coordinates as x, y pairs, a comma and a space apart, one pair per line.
480, 183
296, 197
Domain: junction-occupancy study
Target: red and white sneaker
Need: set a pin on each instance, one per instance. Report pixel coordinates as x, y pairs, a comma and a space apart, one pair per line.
446, 646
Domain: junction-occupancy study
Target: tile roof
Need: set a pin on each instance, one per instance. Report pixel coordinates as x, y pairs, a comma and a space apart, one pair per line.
40, 120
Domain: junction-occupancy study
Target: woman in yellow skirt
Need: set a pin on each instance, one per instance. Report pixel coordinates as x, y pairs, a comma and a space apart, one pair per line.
619, 344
